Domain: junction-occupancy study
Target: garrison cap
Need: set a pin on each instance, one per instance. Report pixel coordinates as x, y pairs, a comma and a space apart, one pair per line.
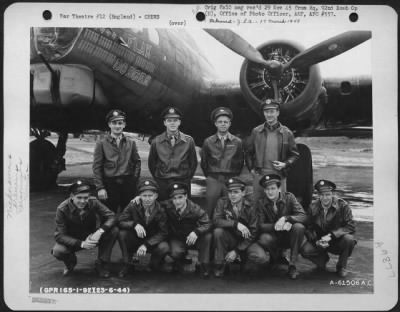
171, 112
147, 185
269, 179
325, 186
234, 183
270, 103
221, 111
177, 188
115, 114
80, 186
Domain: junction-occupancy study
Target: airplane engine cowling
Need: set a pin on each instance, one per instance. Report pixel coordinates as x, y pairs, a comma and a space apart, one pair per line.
70, 86
298, 89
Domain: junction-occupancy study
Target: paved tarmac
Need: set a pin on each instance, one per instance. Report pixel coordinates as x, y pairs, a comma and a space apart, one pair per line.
351, 168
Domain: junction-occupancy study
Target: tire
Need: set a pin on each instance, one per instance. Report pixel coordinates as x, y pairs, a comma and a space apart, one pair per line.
43, 165
300, 177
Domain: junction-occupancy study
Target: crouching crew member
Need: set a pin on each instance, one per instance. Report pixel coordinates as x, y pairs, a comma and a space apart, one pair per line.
143, 228
172, 154
235, 231
188, 227
116, 164
330, 229
272, 148
76, 229
281, 219
222, 157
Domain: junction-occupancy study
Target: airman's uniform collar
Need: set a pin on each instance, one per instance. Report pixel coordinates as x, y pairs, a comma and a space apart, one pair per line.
226, 136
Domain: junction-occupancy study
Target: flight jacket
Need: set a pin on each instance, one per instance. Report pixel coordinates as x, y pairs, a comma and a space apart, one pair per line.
156, 227
218, 160
167, 161
255, 151
339, 220
287, 206
224, 217
110, 161
72, 228
193, 219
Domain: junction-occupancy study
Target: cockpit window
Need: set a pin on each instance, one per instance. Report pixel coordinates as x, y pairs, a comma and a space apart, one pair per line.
54, 42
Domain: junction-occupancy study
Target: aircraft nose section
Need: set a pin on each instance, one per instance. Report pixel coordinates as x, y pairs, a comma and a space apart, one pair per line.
54, 43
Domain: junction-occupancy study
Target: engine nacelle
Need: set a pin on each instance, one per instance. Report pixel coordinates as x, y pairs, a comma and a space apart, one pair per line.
69, 86
298, 90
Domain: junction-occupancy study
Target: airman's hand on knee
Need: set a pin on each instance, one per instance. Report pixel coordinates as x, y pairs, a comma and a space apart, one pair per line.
140, 231
231, 256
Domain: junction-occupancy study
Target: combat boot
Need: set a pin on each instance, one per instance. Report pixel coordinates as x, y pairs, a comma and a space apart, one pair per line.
341, 271
292, 272
205, 269
126, 269
321, 263
102, 269
219, 270
69, 265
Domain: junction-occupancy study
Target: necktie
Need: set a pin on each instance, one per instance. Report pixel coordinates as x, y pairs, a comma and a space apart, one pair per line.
275, 208
118, 140
236, 210
147, 215
82, 214
223, 142
173, 140
325, 214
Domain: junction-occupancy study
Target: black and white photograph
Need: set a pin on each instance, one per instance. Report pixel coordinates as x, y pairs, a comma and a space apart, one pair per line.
217, 158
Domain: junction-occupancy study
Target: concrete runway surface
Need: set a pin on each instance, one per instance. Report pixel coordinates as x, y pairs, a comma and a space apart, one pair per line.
348, 162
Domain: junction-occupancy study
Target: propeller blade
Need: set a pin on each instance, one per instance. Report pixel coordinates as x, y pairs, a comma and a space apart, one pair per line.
328, 49
237, 44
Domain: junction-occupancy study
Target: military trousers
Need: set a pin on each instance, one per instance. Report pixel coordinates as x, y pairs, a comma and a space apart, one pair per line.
120, 191
225, 241
130, 242
178, 248
275, 241
215, 188
106, 243
342, 246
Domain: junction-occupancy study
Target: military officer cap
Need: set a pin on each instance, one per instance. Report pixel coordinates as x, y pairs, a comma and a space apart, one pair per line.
80, 186
270, 103
177, 188
171, 112
115, 114
221, 111
234, 183
147, 185
325, 186
269, 179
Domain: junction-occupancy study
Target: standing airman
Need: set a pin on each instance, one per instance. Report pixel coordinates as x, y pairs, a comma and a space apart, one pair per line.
222, 157
272, 148
116, 164
172, 154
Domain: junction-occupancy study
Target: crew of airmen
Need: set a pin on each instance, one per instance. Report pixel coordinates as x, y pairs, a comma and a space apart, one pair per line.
234, 225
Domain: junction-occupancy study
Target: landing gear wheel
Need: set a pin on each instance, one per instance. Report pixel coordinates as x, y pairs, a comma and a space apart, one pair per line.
43, 165
300, 178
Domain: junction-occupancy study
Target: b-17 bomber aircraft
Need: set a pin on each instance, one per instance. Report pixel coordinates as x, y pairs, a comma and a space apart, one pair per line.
79, 74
